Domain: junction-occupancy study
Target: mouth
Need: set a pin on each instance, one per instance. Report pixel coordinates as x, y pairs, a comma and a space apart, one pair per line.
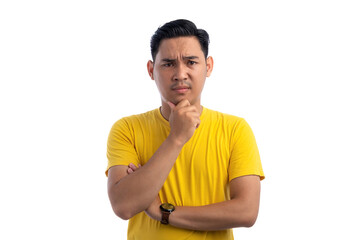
181, 89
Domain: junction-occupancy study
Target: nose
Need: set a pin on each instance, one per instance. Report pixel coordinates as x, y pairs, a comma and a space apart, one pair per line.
180, 73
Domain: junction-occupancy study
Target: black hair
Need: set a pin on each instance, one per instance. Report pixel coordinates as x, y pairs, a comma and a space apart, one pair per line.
179, 28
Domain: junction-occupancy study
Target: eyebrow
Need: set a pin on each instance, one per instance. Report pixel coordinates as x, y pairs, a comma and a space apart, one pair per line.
173, 60
191, 57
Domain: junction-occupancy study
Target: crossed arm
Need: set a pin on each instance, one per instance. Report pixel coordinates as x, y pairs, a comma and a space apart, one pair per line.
240, 211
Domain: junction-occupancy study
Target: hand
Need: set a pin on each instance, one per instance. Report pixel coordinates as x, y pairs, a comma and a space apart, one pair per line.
184, 119
153, 210
132, 168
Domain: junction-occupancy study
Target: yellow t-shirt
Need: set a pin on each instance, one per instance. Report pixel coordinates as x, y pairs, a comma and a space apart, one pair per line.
221, 149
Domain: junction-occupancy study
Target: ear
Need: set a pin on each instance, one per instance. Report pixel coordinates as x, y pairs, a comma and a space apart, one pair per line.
150, 68
209, 66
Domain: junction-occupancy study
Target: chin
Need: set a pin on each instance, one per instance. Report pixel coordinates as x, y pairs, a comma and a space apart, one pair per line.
181, 98
176, 99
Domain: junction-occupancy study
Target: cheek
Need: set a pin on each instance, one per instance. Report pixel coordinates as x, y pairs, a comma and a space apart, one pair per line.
162, 87
201, 74
201, 78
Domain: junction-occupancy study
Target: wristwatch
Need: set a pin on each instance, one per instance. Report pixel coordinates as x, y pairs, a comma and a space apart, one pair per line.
166, 209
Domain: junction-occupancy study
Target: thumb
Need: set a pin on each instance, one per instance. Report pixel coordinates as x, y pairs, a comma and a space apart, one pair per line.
171, 105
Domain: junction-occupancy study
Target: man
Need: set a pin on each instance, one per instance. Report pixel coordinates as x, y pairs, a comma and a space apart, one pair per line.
200, 169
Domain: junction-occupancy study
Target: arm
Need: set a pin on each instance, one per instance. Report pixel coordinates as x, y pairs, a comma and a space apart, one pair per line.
131, 194
240, 211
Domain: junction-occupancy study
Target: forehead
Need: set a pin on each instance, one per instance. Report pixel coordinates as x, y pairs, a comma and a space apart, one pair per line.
180, 46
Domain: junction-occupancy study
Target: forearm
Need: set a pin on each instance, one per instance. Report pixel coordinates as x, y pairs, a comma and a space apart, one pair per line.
135, 192
213, 217
240, 211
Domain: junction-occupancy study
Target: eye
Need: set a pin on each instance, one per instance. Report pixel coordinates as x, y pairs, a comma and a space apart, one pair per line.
192, 62
168, 64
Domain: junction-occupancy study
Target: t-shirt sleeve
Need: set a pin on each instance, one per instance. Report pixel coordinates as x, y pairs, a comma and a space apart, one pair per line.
121, 146
245, 157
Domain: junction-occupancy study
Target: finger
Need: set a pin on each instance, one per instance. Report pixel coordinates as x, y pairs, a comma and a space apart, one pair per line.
171, 105
191, 114
131, 165
183, 103
197, 125
129, 171
190, 108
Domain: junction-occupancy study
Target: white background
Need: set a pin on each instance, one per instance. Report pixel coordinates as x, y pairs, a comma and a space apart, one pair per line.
70, 69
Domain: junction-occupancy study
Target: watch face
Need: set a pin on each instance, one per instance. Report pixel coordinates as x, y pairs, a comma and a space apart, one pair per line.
167, 207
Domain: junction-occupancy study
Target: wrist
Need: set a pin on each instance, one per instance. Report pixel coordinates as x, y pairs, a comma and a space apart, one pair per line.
153, 211
166, 209
174, 141
158, 215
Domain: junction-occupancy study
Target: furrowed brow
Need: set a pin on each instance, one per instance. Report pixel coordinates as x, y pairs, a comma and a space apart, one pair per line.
170, 60
167, 60
191, 57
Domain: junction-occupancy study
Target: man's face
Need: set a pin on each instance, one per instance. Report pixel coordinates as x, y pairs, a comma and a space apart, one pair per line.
180, 70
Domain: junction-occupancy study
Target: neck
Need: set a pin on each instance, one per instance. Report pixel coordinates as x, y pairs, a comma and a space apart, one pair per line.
165, 109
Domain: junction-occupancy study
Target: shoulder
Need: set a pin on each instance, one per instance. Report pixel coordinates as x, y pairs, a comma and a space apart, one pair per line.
136, 119
234, 126
130, 124
225, 118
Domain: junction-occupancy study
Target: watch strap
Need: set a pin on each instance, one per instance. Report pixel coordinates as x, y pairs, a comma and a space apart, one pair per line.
165, 217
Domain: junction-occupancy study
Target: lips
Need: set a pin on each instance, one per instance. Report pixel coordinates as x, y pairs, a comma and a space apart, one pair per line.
179, 86
181, 89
